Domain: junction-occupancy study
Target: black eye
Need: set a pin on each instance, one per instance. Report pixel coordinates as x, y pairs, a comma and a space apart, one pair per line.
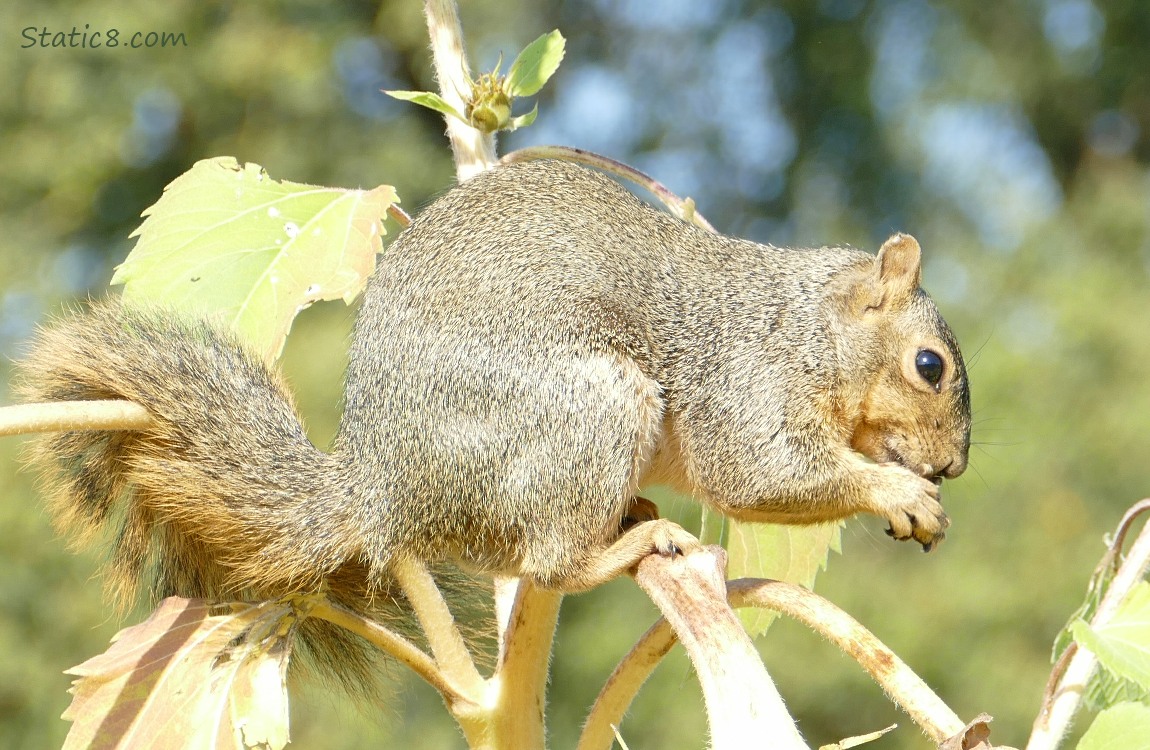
929, 366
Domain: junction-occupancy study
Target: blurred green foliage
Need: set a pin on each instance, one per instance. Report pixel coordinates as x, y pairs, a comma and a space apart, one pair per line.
1012, 139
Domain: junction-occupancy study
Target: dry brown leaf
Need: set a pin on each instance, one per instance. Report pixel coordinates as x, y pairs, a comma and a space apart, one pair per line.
974, 736
195, 674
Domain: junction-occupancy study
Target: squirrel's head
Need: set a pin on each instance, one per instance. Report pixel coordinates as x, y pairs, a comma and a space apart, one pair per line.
915, 410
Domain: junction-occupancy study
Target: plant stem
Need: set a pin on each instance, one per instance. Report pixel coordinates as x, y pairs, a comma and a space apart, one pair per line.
1064, 694
396, 645
684, 208
401, 217
61, 416
521, 675
899, 681
474, 151
741, 699
438, 625
623, 685
893, 675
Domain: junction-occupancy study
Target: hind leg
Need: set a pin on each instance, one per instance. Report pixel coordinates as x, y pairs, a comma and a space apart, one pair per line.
595, 528
595, 560
641, 539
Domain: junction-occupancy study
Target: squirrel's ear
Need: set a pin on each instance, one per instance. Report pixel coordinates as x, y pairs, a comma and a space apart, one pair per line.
899, 268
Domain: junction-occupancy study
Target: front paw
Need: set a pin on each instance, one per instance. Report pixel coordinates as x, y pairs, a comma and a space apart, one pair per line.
911, 504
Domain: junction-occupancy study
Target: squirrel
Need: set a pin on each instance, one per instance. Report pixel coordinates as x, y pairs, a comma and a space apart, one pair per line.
532, 350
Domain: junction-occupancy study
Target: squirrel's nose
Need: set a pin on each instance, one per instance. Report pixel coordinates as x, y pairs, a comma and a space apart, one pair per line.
953, 468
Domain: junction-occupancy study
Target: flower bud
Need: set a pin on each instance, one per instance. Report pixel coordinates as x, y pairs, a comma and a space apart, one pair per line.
490, 106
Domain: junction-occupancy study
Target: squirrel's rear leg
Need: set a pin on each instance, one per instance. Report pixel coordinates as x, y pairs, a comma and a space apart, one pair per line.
643, 533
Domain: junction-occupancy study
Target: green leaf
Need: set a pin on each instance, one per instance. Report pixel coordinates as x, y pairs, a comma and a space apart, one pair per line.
427, 99
228, 242
1099, 582
523, 121
1122, 727
1122, 645
1105, 689
535, 64
787, 553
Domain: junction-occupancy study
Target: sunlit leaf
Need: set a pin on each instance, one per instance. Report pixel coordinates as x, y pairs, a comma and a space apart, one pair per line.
193, 675
427, 99
523, 121
1122, 644
786, 553
794, 554
229, 242
1122, 727
535, 64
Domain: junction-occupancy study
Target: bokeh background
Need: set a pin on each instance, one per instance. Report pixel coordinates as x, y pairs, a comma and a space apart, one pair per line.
1012, 138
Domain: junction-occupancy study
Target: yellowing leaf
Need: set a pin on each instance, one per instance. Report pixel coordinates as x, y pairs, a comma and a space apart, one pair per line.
229, 242
786, 553
193, 675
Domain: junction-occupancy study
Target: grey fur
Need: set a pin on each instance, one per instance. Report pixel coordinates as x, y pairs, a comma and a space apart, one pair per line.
533, 350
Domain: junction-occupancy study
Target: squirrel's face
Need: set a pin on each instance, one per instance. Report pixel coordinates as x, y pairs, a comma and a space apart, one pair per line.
916, 410
918, 413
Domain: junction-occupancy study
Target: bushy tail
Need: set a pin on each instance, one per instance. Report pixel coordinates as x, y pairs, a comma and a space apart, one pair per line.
223, 497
